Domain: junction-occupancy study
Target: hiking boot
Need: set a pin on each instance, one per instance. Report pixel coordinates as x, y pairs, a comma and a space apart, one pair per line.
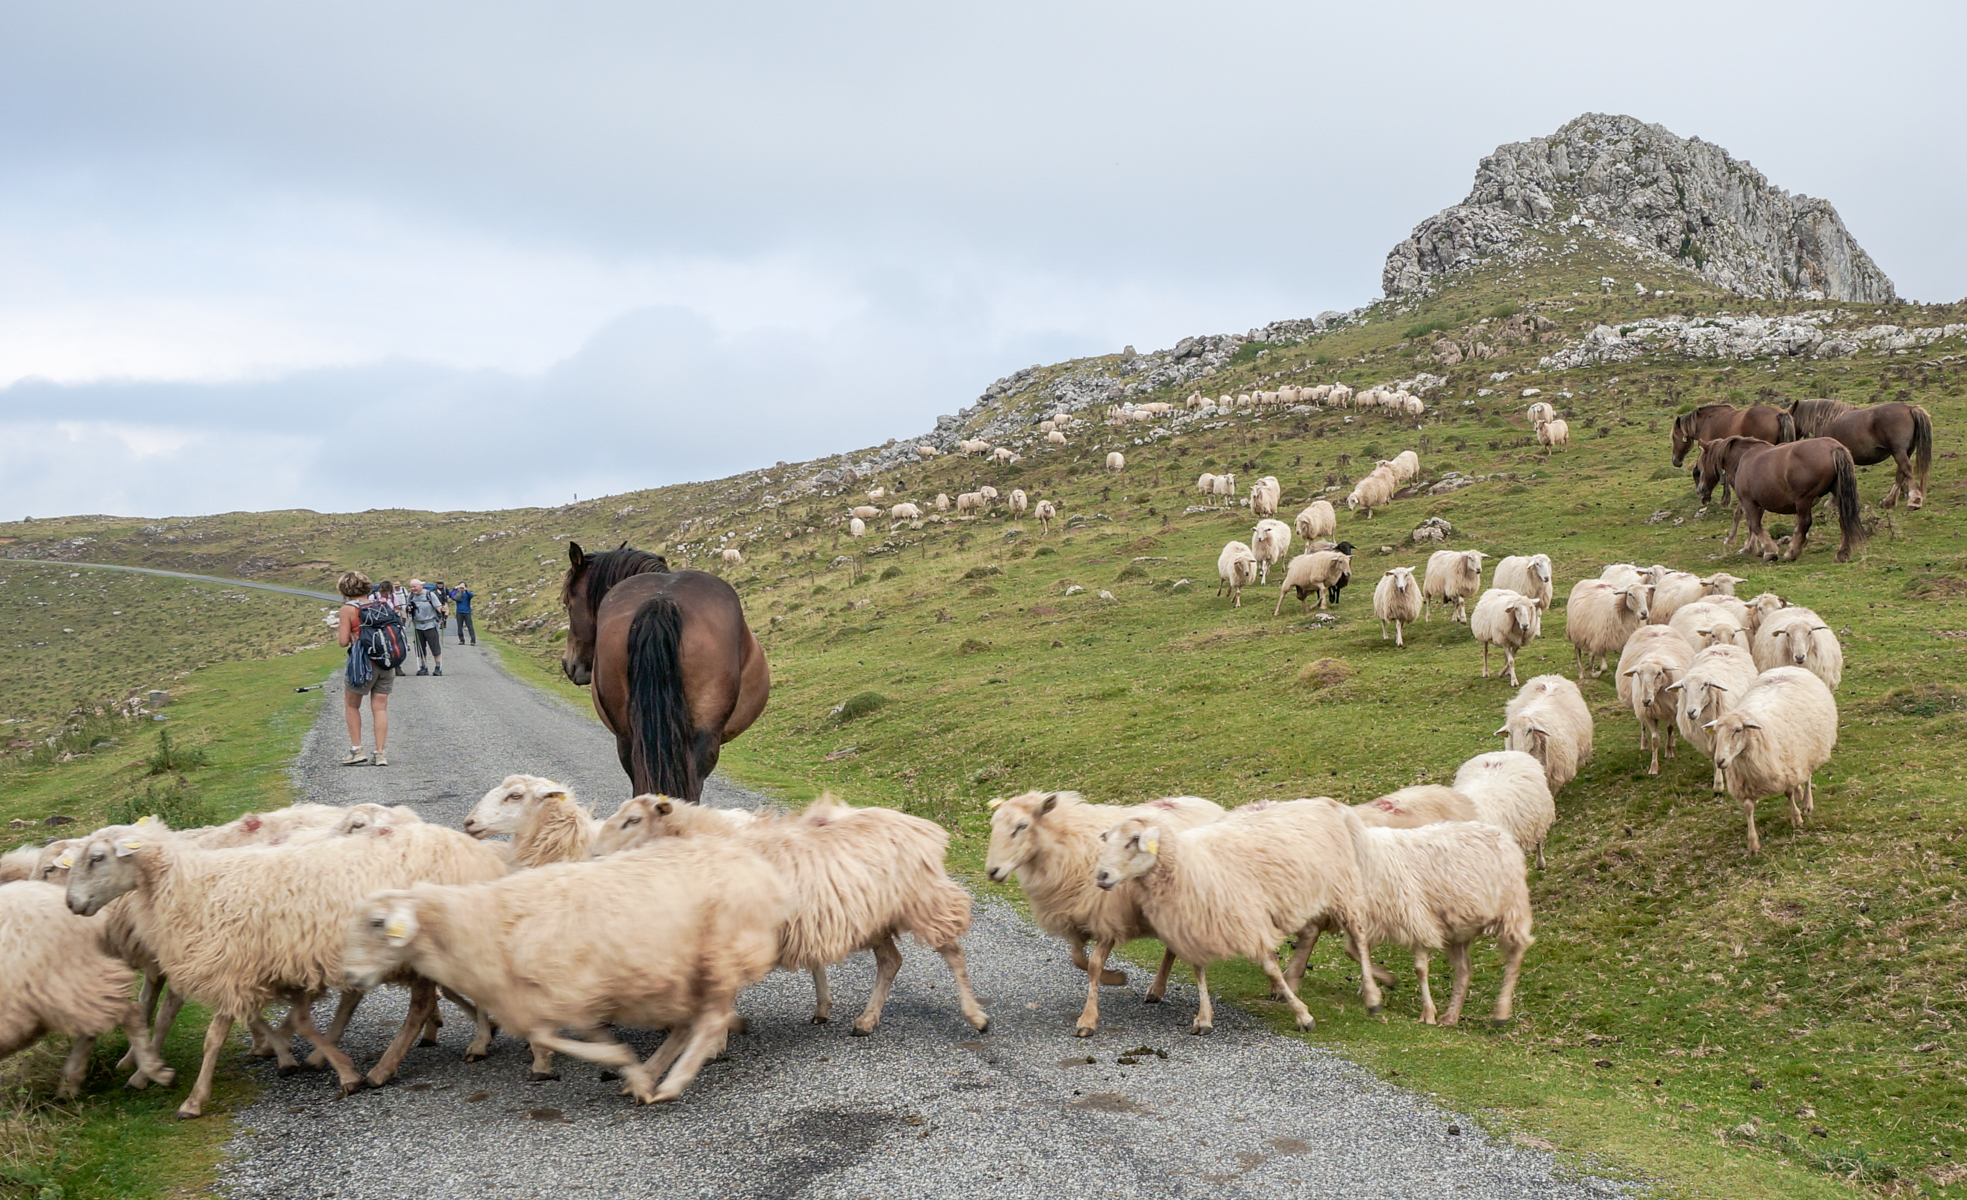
382, 760
355, 757
423, 670
439, 670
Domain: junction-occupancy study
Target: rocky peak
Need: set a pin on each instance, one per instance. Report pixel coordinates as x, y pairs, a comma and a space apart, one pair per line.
1688, 201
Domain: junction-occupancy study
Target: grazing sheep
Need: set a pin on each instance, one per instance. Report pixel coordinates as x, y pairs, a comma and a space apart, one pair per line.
1374, 491
1452, 575
731, 556
1051, 842
1717, 620
1797, 637
1439, 887
1654, 657
1707, 689
61, 981
16, 865
238, 929
1412, 807
1553, 433
1783, 728
1321, 571
942, 501
1622, 574
1264, 495
904, 512
866, 512
1416, 406
1237, 567
858, 878
969, 504
1548, 720
1045, 512
926, 452
1054, 438
1671, 590
1239, 887
877, 493
546, 824
1205, 485
1599, 617
1396, 598
1019, 501
989, 494
1269, 541
661, 938
1508, 790
969, 446
1506, 619
1003, 456
1116, 461
856, 527
1528, 575
1541, 412
1406, 466
1318, 520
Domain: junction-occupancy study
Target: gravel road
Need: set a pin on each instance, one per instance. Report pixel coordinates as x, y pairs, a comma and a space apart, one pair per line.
924, 1107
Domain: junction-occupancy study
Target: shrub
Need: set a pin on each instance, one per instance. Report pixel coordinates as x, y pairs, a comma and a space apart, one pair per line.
981, 572
973, 646
1423, 328
855, 707
169, 800
891, 571
172, 758
1503, 312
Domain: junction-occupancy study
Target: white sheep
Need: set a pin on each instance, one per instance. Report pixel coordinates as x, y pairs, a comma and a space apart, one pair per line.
1528, 575
1003, 456
989, 493
904, 512
1452, 575
1798, 637
1416, 406
1205, 485
369, 818
1439, 887
1225, 487
1051, 842
1773, 740
1341, 395
1412, 807
1264, 496
1508, 790
1541, 412
661, 938
866, 512
1406, 466
1505, 619
942, 501
21, 863
1374, 491
1237, 567
1318, 520
1622, 574
1054, 438
1711, 685
1397, 598
61, 981
1653, 659
1600, 616
1553, 433
731, 556
546, 824
238, 929
856, 527
858, 878
969, 504
926, 452
1269, 541
970, 446
1116, 461
1239, 887
1548, 720
1019, 502
877, 493
1046, 512
1318, 571
1671, 590
1717, 620
1721, 583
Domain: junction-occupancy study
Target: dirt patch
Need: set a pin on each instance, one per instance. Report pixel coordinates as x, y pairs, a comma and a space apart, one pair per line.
1323, 673
1936, 587
1923, 700
1041, 610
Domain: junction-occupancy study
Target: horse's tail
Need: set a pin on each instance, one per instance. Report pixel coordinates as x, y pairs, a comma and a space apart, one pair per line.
1785, 426
1922, 444
664, 757
1848, 522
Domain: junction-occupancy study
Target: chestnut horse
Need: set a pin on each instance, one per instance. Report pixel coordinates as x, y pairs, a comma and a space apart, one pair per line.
1711, 422
1898, 431
676, 671
1790, 478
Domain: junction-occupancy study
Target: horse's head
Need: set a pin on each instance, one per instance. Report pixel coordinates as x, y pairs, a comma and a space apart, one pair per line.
1708, 467
577, 656
1683, 436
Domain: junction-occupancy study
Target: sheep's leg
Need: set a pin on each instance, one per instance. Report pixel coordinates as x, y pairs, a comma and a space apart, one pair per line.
76, 1068
1382, 628
1580, 651
1279, 984
1462, 970
1795, 795
546, 1040
423, 1002
1540, 854
1427, 997
542, 1069
822, 997
1754, 842
281, 1045
965, 998
1656, 737
153, 984
216, 1033
1509, 660
351, 1079
1108, 977
150, 1067
1205, 1013
1159, 987
1512, 967
1485, 660
345, 1006
432, 1024
1301, 959
483, 1029
706, 1032
1399, 635
1809, 796
887, 961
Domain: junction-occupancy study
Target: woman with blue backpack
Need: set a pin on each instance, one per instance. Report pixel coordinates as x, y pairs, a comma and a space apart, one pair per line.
373, 632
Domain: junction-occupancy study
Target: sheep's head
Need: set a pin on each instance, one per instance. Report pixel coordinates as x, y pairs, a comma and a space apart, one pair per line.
1014, 830
105, 867
1127, 851
1695, 701
640, 819
1721, 583
1403, 578
1523, 611
1731, 734
381, 937
375, 820
1802, 642
1638, 599
502, 808
57, 859
1649, 679
1531, 739
1540, 566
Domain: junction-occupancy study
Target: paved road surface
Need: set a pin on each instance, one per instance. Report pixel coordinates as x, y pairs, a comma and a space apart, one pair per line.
924, 1108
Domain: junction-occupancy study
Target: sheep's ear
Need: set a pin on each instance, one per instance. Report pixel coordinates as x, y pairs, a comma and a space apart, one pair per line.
1151, 839
1819, 629
994, 802
128, 846
1628, 674
1503, 732
1051, 802
556, 794
66, 860
1675, 686
400, 927
663, 807
1719, 687
1750, 725
1712, 724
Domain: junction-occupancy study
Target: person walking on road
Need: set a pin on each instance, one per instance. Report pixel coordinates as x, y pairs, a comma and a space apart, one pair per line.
356, 595
398, 599
426, 611
461, 597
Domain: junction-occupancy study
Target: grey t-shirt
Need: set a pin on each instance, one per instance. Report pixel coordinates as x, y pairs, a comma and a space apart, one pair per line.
423, 610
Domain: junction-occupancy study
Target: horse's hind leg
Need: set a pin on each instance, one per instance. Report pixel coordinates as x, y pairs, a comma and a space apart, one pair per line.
1804, 514
1902, 481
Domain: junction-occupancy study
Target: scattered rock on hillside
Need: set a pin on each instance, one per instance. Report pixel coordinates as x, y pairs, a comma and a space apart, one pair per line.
1325, 672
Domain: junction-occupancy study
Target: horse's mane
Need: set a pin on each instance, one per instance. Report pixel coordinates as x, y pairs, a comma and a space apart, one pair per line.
1812, 416
609, 567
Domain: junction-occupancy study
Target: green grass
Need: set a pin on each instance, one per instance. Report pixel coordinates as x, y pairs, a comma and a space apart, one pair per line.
1829, 971
234, 728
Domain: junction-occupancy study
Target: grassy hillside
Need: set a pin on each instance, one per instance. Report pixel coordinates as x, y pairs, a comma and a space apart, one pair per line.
1787, 1025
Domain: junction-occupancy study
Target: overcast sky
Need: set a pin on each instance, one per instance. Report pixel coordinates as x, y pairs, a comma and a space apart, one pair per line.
474, 255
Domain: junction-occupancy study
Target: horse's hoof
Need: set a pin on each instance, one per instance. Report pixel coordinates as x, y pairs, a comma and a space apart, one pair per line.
190, 1114
1150, 998
289, 1069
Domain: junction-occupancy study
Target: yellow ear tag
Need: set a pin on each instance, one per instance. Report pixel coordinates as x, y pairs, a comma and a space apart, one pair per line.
66, 861
152, 819
1153, 846
131, 844
995, 801
397, 929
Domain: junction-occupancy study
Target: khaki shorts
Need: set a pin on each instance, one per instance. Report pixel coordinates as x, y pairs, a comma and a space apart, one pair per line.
379, 683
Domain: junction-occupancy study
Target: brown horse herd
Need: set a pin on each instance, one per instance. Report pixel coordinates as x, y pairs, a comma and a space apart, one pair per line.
1778, 460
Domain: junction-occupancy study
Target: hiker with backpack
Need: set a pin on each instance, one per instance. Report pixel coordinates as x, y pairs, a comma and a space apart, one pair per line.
373, 632
398, 598
427, 614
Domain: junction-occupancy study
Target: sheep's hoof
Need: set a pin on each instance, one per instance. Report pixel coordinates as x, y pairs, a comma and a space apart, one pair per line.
1113, 979
1307, 1023
1201, 1030
137, 1082
608, 1073
738, 1025
542, 1077
1501, 1022
289, 1069
982, 1026
821, 1018
190, 1114
1150, 998
1085, 1031
353, 1086
426, 1041
1451, 1021
1373, 1010
65, 1092
475, 1055
857, 1031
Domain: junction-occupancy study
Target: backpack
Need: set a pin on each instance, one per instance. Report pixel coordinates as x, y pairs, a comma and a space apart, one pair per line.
380, 635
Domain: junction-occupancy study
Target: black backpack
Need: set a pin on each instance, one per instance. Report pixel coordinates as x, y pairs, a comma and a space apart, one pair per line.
381, 635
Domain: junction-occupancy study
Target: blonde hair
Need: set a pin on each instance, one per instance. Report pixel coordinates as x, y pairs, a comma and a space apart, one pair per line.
353, 584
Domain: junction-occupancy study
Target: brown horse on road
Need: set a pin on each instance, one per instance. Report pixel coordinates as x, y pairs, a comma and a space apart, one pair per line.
1898, 431
1787, 479
676, 671
1711, 422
